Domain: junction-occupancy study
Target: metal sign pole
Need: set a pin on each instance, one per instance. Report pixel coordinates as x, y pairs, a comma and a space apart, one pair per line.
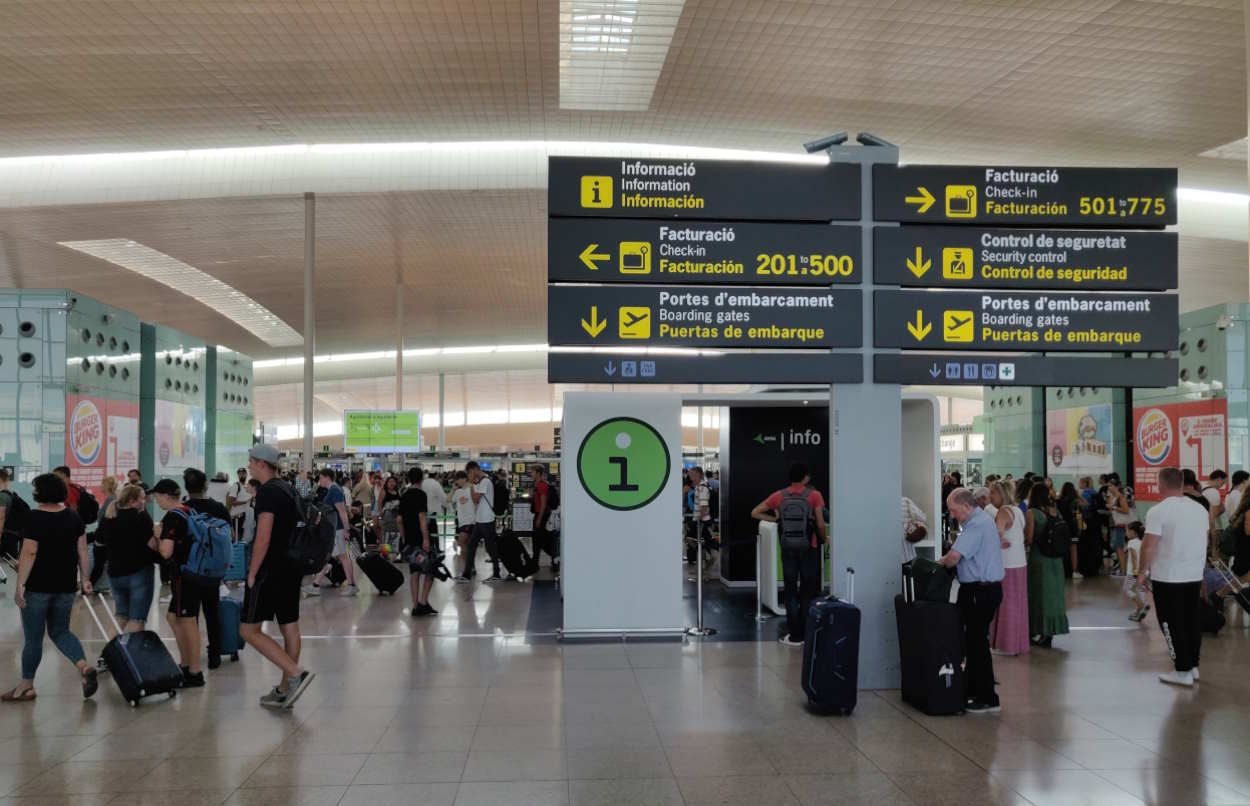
699, 629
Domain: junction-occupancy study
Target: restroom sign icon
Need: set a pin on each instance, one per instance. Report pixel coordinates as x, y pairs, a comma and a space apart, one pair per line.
596, 191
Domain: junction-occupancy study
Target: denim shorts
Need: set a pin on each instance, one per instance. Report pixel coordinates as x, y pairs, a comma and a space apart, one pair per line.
1117, 537
132, 594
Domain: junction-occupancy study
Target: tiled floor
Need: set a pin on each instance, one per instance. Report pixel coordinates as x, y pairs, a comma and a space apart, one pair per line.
406, 712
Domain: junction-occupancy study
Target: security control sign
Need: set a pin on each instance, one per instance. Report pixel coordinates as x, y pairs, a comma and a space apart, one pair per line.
999, 320
709, 189
714, 252
1006, 195
974, 257
966, 369
702, 316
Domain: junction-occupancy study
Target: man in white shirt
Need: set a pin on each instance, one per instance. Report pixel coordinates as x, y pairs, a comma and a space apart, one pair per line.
237, 497
436, 501
1212, 493
1173, 555
482, 491
1232, 501
914, 529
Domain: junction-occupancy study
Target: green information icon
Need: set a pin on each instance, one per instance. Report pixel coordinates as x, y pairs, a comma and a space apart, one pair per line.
623, 463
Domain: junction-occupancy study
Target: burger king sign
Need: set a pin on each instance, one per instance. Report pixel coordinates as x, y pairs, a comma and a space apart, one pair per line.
86, 433
1154, 436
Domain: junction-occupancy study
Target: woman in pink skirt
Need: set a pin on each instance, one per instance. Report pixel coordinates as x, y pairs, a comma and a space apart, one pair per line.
1009, 631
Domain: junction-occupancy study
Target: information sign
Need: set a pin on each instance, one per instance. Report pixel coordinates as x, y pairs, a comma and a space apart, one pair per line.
702, 316
383, 431
1024, 321
969, 194
712, 189
975, 257
738, 367
714, 252
966, 369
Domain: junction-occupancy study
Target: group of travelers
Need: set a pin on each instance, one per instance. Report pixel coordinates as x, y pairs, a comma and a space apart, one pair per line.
262, 510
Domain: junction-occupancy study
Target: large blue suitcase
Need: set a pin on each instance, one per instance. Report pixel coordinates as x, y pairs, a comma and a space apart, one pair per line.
830, 672
231, 613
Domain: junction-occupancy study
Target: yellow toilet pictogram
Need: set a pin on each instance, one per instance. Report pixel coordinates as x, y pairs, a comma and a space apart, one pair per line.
596, 191
957, 263
961, 201
957, 326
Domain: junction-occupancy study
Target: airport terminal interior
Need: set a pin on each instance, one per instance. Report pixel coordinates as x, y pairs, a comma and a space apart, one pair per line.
498, 402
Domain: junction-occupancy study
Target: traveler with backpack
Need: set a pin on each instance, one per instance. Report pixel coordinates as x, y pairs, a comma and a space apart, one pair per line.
79, 499
185, 542
1046, 537
799, 515
126, 532
482, 490
414, 520
545, 499
53, 559
336, 501
273, 580
198, 500
12, 515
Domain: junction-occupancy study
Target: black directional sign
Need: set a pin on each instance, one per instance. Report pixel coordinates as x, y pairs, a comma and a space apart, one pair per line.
964, 369
702, 316
708, 189
975, 257
740, 367
655, 251
1005, 195
1025, 321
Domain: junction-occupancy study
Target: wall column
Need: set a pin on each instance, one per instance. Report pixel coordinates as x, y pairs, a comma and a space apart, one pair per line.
442, 411
399, 347
310, 319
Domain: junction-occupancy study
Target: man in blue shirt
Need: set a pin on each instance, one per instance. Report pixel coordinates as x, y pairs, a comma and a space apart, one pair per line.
978, 560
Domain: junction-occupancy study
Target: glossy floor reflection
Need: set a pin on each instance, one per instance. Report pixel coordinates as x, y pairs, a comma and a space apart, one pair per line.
406, 712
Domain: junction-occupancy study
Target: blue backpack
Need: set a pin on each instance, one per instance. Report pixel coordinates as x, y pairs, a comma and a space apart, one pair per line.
210, 545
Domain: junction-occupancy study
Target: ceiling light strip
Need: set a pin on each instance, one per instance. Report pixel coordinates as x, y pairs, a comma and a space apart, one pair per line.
612, 51
203, 288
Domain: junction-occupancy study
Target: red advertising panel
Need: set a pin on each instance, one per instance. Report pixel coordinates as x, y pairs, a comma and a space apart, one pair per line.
1185, 435
101, 438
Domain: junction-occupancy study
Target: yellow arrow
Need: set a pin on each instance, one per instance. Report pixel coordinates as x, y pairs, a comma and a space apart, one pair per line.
918, 330
923, 202
919, 266
589, 257
596, 325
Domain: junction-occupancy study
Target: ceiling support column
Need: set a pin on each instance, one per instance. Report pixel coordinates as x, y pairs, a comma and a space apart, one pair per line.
310, 319
442, 411
399, 347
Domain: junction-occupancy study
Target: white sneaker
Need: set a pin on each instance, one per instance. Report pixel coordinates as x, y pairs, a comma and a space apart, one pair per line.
311, 590
785, 641
1194, 672
350, 590
1185, 679
1077, 575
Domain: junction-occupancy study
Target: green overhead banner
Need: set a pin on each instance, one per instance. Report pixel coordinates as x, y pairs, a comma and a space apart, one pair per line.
382, 431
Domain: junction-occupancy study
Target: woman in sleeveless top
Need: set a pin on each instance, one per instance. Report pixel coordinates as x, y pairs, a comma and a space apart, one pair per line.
1048, 614
1009, 631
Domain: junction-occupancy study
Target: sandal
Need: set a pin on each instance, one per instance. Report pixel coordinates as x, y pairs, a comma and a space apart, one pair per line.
13, 696
90, 682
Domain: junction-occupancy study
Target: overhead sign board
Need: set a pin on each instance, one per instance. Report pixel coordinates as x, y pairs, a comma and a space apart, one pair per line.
703, 316
713, 252
1024, 321
966, 369
382, 431
710, 189
790, 367
975, 257
967, 194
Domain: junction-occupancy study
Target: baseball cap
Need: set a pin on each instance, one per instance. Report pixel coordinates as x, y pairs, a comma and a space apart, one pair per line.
166, 487
264, 453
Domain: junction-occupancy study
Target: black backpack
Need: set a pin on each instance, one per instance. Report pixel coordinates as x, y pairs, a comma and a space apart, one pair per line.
1055, 538
88, 507
501, 498
15, 514
553, 498
713, 502
313, 541
794, 517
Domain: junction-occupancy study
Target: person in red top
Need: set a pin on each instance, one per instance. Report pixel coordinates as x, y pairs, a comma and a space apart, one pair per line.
71, 501
540, 505
799, 568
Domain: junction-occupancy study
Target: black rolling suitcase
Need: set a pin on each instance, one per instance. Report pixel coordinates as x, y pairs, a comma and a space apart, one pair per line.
830, 672
930, 646
512, 554
138, 662
384, 576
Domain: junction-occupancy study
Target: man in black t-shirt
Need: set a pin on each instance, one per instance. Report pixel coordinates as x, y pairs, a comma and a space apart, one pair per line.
272, 581
414, 521
187, 591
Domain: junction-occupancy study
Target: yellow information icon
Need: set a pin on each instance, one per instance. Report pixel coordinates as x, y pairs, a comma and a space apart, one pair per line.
957, 326
596, 191
961, 201
957, 263
635, 257
635, 322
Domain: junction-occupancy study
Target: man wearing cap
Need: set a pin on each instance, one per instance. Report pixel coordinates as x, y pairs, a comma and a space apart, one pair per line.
272, 592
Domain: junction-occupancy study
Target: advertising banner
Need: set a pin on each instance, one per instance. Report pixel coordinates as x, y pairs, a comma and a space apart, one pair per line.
179, 438
384, 431
1186, 435
101, 439
1078, 440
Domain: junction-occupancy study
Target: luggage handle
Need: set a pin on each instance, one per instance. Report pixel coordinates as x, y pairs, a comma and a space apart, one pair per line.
850, 585
86, 601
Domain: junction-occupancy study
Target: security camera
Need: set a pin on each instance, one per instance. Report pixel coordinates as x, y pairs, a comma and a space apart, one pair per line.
820, 144
1223, 323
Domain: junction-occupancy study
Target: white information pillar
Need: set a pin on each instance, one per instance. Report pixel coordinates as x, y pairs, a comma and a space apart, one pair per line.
866, 461
621, 498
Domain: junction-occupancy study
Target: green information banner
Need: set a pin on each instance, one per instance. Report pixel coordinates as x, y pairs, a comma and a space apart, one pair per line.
382, 431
